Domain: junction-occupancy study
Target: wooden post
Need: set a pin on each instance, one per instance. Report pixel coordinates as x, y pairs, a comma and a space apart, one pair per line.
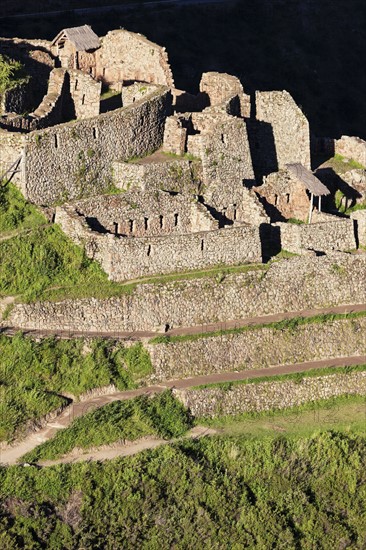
320, 204
311, 207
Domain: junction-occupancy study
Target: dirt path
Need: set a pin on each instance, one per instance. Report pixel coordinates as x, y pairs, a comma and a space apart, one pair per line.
183, 331
11, 454
109, 452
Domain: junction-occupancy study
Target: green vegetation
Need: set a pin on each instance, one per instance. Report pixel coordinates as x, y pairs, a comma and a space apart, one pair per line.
295, 221
33, 374
345, 413
15, 211
161, 415
108, 93
220, 492
186, 156
47, 260
46, 265
348, 164
289, 325
11, 74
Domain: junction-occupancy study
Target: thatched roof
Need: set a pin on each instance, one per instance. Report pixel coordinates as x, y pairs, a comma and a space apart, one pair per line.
308, 179
83, 38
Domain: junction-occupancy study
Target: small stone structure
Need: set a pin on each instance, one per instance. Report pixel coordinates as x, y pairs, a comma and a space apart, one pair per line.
351, 148
322, 237
225, 89
143, 234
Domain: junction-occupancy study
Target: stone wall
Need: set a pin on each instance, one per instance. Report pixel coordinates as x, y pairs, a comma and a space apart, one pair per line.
126, 258
267, 396
335, 234
287, 286
284, 196
127, 57
15, 99
146, 214
282, 135
75, 159
257, 349
11, 148
49, 112
359, 217
351, 148
85, 93
178, 175
135, 92
221, 88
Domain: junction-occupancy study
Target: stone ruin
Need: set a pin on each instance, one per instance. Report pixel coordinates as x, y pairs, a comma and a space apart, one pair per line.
203, 179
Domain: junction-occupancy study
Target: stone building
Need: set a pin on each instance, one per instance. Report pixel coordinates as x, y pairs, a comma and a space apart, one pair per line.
75, 48
287, 193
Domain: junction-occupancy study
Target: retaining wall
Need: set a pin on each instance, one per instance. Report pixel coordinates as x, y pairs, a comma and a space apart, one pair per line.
260, 348
266, 396
289, 285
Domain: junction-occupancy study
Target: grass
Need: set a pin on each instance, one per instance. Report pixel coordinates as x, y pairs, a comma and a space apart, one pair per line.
46, 265
108, 94
15, 212
286, 325
186, 156
345, 414
348, 163
34, 374
161, 415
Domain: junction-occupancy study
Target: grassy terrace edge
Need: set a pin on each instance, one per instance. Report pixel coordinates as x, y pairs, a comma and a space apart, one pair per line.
296, 377
286, 324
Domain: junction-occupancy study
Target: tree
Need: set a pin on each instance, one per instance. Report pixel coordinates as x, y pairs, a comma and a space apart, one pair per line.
11, 73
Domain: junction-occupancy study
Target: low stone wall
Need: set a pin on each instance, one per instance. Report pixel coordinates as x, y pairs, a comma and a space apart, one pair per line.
337, 234
260, 348
126, 258
49, 112
11, 147
267, 396
352, 148
289, 285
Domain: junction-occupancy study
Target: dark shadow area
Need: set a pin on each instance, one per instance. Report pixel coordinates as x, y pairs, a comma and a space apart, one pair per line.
322, 149
270, 237
223, 220
335, 183
262, 148
310, 48
95, 225
111, 103
271, 211
187, 102
68, 106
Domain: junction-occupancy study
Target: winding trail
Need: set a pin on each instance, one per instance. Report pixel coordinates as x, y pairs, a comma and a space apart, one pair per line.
11, 454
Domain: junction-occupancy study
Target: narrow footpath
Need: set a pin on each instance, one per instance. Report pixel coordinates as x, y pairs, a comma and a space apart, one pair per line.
11, 454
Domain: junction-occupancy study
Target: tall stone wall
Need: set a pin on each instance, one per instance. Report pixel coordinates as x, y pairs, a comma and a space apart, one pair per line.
267, 396
75, 159
49, 112
126, 57
259, 348
85, 93
289, 285
223, 146
285, 197
335, 234
282, 135
128, 258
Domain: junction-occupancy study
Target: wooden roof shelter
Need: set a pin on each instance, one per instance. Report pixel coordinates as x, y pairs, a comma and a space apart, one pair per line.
310, 182
83, 38
307, 178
